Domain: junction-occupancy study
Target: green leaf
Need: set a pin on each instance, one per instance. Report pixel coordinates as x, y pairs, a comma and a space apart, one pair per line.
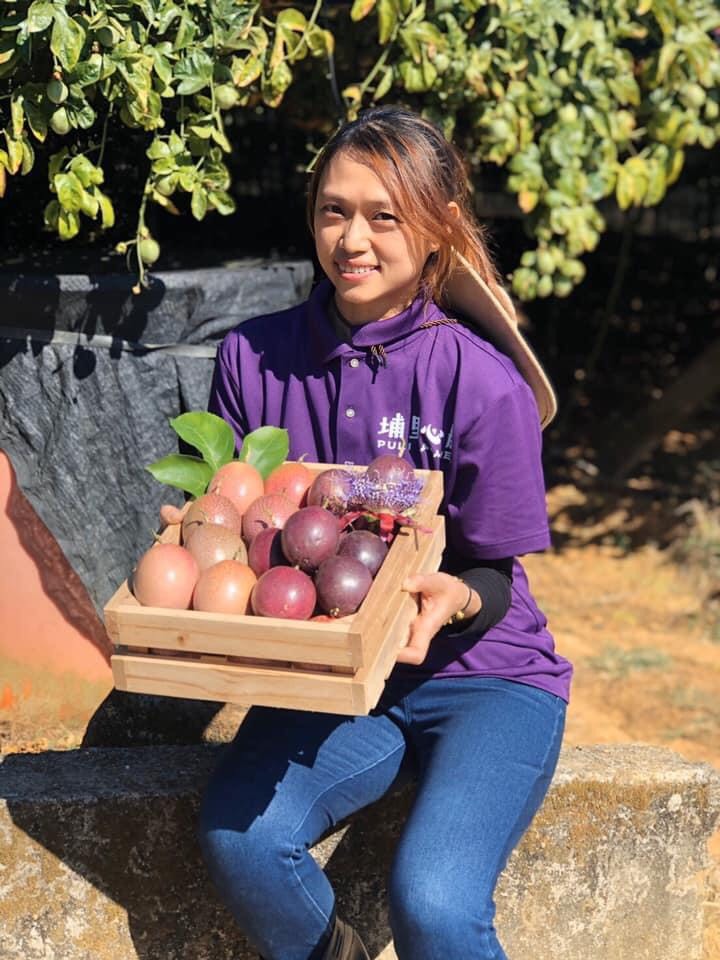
67, 39
199, 202
361, 8
221, 201
246, 70
194, 72
291, 19
384, 85
265, 448
388, 15
83, 170
87, 72
625, 188
15, 153
37, 121
68, 224
107, 212
40, 16
209, 434
179, 470
69, 191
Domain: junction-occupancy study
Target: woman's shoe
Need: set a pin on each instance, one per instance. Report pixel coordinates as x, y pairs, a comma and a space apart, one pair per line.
345, 944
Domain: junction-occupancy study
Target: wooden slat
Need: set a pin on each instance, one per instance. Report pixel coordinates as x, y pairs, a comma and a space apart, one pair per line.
265, 686
321, 643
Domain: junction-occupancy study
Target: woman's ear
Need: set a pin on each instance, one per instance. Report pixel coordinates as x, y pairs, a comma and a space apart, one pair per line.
454, 209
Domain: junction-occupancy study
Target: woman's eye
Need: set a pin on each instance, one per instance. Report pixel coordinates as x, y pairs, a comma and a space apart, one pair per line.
384, 215
331, 208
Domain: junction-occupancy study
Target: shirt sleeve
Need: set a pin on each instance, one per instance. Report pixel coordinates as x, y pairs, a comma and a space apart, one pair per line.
225, 393
496, 507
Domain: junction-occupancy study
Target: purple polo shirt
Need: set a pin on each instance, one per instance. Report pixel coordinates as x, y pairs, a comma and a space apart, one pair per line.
461, 407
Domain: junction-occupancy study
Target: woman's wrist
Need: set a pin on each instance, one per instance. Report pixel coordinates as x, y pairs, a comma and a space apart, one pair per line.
470, 606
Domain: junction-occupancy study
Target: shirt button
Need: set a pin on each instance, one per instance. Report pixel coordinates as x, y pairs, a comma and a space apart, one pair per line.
350, 412
354, 362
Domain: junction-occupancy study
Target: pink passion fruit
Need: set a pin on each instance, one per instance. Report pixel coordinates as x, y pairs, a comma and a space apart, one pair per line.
292, 480
224, 588
240, 482
210, 508
270, 510
165, 576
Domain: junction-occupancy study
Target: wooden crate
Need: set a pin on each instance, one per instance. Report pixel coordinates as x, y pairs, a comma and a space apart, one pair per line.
335, 667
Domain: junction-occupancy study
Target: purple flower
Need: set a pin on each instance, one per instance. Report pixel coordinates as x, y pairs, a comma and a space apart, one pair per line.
395, 498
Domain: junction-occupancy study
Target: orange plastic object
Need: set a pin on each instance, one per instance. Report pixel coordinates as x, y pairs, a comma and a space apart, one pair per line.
46, 617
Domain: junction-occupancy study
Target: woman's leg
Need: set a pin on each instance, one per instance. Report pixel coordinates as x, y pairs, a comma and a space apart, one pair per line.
487, 749
287, 777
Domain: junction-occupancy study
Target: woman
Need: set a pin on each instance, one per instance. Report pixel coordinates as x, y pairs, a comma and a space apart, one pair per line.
376, 361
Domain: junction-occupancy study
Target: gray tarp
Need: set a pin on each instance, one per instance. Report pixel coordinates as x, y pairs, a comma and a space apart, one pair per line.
90, 376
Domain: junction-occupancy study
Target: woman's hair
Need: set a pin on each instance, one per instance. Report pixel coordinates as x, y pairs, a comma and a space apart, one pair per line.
422, 173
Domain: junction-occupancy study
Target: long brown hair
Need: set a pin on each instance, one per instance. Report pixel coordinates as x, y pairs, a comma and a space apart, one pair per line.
423, 172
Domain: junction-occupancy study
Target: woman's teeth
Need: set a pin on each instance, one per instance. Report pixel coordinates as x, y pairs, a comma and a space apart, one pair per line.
346, 269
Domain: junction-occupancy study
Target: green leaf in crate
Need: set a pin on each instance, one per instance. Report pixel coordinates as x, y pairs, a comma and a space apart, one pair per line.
265, 448
190, 474
209, 434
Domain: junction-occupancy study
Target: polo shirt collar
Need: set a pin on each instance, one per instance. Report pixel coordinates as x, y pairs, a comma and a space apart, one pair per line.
379, 333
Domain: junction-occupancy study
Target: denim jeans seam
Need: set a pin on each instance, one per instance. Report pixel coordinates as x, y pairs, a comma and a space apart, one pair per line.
315, 800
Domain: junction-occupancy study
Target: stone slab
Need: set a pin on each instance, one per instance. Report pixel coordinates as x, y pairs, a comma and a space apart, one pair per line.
98, 859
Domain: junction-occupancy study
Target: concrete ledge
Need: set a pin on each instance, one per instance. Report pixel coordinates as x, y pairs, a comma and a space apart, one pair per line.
98, 859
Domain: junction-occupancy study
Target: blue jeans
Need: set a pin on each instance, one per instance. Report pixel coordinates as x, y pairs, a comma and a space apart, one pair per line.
483, 751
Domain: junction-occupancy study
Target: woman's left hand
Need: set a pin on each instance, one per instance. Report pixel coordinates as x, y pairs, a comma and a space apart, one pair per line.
441, 596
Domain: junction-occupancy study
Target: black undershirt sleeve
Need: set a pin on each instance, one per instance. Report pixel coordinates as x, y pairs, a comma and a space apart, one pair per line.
492, 581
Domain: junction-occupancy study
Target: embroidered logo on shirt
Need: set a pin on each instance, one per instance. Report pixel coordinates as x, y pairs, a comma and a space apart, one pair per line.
425, 437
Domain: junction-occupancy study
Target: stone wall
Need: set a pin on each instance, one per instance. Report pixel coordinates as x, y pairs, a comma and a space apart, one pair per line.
98, 859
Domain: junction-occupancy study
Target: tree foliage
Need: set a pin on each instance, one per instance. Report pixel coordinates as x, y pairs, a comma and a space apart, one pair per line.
576, 100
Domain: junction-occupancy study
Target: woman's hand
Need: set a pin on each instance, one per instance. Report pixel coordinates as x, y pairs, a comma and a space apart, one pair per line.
441, 596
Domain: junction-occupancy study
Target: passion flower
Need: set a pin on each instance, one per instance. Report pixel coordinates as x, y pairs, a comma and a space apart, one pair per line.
379, 496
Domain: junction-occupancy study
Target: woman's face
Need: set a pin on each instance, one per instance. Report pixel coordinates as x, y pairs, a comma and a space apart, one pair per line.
373, 260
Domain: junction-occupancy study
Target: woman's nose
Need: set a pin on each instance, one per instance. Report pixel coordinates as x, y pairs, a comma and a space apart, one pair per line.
355, 236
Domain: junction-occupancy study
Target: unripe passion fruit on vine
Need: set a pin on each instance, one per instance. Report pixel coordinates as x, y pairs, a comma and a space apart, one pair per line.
310, 536
284, 592
149, 250
56, 91
226, 96
342, 584
60, 122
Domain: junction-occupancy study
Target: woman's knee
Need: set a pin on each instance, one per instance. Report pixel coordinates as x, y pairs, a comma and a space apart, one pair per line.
433, 918
236, 845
